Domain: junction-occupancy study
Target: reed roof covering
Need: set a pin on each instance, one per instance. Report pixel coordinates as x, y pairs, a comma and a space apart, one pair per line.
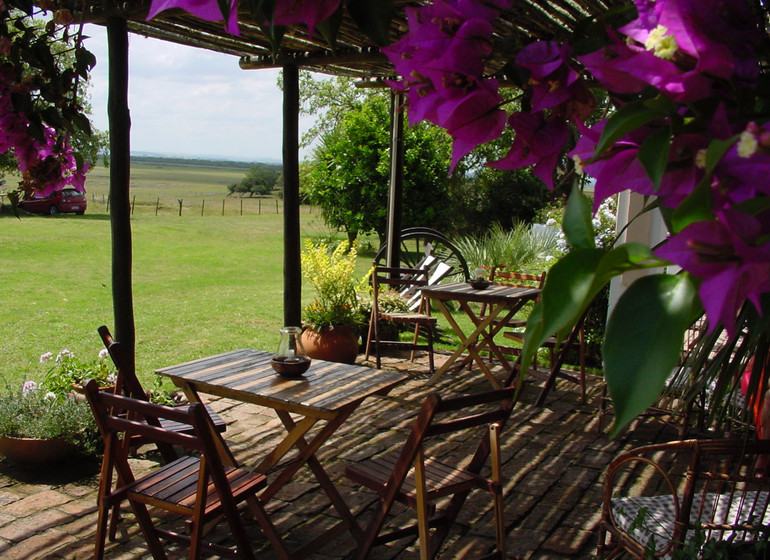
355, 54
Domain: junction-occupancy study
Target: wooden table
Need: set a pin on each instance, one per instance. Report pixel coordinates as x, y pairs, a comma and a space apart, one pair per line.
328, 392
497, 298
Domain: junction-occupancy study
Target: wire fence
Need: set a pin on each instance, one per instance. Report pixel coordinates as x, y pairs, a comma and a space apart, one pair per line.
197, 205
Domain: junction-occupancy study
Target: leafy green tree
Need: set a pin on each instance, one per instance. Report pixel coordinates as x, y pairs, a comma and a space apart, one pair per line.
260, 180
350, 171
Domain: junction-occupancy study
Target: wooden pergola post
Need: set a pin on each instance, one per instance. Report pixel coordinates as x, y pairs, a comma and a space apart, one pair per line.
292, 268
120, 173
396, 190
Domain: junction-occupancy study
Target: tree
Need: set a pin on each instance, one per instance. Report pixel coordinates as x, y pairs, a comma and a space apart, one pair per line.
350, 172
260, 180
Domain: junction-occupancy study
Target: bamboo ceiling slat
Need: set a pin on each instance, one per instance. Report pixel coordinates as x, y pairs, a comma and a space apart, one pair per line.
354, 55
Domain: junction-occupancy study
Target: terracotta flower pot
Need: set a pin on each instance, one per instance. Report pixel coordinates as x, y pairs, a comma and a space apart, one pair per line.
31, 451
333, 345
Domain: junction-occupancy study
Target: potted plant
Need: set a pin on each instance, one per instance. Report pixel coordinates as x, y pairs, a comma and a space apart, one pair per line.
333, 319
38, 426
68, 373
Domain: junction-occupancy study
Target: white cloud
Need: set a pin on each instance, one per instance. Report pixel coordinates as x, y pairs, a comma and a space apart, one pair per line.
185, 100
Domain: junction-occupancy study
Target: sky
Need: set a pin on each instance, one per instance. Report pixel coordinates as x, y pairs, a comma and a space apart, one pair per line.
192, 102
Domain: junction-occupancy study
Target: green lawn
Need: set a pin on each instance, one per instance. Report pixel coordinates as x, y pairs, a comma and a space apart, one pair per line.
202, 284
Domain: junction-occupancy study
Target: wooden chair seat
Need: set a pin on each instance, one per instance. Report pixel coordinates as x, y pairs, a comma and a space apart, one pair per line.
657, 496
409, 318
441, 479
176, 486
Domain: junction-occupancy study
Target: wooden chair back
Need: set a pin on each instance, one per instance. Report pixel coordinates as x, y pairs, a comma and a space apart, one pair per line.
499, 275
203, 487
409, 476
400, 280
663, 494
127, 384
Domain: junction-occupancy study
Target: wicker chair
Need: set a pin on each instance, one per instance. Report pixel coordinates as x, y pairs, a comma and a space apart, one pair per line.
719, 486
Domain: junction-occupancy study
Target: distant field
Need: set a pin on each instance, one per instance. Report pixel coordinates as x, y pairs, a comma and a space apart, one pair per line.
158, 187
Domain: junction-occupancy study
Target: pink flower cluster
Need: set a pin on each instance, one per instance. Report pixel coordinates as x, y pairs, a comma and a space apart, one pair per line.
441, 61
46, 164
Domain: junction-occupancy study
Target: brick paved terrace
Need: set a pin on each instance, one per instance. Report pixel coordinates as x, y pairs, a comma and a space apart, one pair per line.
553, 463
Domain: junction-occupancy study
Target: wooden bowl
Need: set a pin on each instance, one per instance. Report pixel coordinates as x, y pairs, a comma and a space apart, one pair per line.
479, 284
293, 368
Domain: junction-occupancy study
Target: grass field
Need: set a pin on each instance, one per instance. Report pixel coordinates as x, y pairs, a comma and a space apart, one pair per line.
202, 285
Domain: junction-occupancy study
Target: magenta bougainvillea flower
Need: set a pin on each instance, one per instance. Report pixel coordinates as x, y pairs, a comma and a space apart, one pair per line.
742, 173
441, 60
731, 255
538, 141
205, 9
309, 12
46, 166
680, 47
715, 37
553, 82
472, 119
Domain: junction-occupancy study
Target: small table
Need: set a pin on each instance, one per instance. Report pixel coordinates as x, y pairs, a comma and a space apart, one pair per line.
498, 298
328, 392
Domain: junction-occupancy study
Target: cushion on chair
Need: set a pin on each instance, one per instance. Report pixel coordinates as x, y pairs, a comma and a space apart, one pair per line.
652, 517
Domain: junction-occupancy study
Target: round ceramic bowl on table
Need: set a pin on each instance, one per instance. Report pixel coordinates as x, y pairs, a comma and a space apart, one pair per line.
290, 367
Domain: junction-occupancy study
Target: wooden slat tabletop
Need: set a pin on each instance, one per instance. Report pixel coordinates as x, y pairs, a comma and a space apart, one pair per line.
463, 291
246, 375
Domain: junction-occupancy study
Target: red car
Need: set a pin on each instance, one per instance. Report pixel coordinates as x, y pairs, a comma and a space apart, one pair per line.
65, 200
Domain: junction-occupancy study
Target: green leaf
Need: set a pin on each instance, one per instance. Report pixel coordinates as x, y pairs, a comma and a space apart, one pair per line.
329, 27
653, 154
577, 221
696, 207
573, 283
624, 120
224, 7
567, 287
373, 17
644, 339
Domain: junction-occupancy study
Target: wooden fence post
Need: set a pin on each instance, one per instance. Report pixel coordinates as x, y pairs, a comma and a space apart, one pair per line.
180, 205
203, 205
133, 202
157, 206
223, 206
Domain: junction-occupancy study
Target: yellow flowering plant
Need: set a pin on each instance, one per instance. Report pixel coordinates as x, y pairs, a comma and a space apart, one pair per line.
331, 272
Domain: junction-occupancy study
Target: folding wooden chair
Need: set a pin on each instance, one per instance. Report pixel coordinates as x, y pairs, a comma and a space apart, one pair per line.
196, 486
397, 279
418, 481
128, 384
559, 350
498, 275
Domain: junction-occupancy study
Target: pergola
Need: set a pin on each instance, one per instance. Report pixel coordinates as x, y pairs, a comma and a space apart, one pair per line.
355, 55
